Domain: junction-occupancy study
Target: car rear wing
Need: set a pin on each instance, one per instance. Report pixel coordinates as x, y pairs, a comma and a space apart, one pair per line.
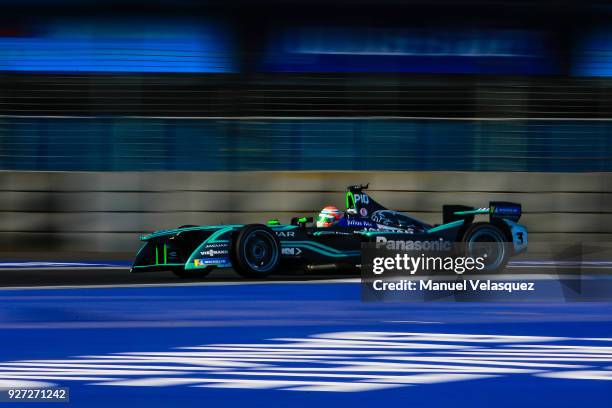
452, 213
496, 210
505, 210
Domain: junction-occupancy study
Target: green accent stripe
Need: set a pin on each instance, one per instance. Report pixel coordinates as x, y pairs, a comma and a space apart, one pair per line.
161, 233
282, 227
140, 250
153, 266
352, 198
319, 233
478, 211
165, 254
374, 233
446, 226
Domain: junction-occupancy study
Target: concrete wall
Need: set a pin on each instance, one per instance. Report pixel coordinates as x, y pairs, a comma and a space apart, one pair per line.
106, 211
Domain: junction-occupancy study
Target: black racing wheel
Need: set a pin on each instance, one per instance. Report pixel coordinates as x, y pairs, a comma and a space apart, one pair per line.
256, 251
489, 242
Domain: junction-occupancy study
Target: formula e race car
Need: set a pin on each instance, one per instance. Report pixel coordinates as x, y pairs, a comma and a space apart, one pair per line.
257, 250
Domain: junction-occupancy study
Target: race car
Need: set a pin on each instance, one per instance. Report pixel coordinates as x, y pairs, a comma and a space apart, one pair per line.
258, 250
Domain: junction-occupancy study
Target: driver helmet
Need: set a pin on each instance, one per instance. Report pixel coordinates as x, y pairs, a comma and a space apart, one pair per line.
329, 216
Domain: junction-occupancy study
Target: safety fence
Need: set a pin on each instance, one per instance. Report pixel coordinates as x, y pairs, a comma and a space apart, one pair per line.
222, 144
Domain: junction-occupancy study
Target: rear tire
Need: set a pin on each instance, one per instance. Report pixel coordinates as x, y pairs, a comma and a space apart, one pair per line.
486, 240
256, 251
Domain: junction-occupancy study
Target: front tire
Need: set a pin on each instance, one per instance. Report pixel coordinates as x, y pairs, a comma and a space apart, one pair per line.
486, 240
256, 251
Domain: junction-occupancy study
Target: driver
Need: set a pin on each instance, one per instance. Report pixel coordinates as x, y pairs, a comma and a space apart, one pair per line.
329, 216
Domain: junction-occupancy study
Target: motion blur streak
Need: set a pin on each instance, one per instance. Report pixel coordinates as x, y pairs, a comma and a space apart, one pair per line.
125, 117
263, 340
218, 90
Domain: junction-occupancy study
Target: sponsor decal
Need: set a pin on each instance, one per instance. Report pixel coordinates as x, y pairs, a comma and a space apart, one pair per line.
392, 218
358, 223
410, 245
218, 245
209, 261
505, 210
285, 234
213, 252
361, 199
381, 217
363, 212
291, 251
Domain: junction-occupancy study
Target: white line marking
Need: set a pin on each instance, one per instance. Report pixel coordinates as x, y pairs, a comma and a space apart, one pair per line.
62, 364
63, 371
69, 268
351, 361
345, 387
46, 264
276, 351
580, 375
12, 384
152, 285
434, 337
36, 376
561, 266
485, 359
382, 367
430, 378
153, 382
557, 348
411, 321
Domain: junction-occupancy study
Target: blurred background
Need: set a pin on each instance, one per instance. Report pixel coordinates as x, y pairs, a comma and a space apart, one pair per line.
118, 118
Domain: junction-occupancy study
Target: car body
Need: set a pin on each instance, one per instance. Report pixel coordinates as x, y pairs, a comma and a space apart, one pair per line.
256, 250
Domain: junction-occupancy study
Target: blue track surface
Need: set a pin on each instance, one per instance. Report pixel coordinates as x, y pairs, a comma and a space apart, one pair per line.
273, 346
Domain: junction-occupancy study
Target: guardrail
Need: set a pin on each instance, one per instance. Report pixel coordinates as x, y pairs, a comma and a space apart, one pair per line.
107, 211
